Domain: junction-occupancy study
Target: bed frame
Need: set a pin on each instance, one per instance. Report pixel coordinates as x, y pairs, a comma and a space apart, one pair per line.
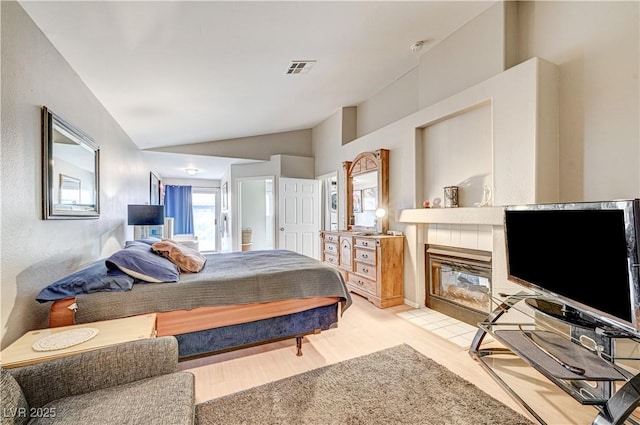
220, 308
221, 339
227, 338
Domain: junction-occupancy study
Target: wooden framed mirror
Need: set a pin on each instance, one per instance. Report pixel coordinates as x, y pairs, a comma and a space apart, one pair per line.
367, 192
70, 171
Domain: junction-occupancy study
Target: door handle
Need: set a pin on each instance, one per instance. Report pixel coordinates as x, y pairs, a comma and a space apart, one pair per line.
282, 229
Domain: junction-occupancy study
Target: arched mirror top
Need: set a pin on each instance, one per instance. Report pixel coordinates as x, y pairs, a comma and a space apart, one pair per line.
367, 189
365, 162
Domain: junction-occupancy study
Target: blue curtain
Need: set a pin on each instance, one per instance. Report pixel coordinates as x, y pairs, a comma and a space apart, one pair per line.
177, 204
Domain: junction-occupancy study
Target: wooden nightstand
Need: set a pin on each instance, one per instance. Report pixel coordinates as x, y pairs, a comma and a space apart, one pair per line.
110, 332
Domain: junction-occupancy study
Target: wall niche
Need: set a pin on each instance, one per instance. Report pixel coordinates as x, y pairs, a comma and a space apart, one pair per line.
457, 151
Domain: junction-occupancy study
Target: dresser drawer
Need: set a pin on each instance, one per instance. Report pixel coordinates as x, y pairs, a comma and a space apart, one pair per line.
331, 237
366, 255
362, 283
331, 259
331, 248
365, 242
366, 269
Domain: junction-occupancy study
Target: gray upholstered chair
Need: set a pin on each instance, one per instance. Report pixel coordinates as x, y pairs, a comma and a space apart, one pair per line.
131, 383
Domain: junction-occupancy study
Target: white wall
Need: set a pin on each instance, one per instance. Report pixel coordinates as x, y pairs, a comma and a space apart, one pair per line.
390, 104
325, 143
468, 56
443, 71
472, 54
595, 45
295, 143
239, 172
35, 252
253, 207
296, 167
458, 152
215, 184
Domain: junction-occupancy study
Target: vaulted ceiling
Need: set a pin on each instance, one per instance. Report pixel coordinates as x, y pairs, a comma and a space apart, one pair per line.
180, 72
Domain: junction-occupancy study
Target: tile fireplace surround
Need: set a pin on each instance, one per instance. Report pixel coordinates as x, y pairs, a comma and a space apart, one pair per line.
480, 228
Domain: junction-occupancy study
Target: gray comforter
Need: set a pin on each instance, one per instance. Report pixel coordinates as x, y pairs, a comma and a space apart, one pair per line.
227, 279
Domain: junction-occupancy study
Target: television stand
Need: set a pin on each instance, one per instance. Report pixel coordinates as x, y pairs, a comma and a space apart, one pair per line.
561, 312
574, 317
582, 362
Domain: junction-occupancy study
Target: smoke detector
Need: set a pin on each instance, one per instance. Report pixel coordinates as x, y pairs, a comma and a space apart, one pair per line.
300, 67
417, 46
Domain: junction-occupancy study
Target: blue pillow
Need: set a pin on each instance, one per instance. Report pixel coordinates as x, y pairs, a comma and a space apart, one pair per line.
138, 261
92, 278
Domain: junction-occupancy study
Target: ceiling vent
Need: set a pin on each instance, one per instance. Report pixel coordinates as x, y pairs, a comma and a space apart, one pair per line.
300, 67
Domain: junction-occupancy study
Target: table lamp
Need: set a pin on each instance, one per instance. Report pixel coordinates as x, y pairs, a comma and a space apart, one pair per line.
143, 216
380, 213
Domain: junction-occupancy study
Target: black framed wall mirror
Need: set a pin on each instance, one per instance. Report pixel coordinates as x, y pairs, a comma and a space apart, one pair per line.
70, 170
367, 190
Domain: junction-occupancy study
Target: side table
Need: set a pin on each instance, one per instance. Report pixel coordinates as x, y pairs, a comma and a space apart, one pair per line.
110, 332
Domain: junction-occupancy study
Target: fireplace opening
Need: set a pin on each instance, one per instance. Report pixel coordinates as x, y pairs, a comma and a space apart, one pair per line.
458, 282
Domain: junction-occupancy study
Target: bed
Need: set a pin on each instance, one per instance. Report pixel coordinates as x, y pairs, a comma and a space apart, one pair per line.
236, 300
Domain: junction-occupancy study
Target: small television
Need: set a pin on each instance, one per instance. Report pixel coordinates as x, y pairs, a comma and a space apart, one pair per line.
581, 255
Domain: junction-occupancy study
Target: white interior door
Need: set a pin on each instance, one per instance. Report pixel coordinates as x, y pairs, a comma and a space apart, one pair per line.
299, 216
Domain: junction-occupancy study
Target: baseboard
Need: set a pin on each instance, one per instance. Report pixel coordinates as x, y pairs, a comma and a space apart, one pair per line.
411, 303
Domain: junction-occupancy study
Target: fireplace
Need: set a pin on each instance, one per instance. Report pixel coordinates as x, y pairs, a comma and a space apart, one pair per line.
458, 282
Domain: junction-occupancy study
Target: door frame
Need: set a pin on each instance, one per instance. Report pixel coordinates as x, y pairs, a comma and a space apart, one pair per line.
237, 223
324, 207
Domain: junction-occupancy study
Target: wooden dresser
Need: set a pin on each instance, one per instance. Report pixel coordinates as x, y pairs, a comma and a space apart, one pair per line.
371, 265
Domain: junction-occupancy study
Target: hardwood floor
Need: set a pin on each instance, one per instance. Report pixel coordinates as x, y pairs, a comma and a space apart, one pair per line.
365, 329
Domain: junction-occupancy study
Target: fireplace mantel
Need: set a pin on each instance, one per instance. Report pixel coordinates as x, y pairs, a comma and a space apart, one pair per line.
480, 215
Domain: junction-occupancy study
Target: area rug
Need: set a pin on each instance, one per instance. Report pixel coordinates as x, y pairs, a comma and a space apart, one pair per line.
393, 386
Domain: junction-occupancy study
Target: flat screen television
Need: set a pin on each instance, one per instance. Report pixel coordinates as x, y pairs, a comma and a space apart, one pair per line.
582, 255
